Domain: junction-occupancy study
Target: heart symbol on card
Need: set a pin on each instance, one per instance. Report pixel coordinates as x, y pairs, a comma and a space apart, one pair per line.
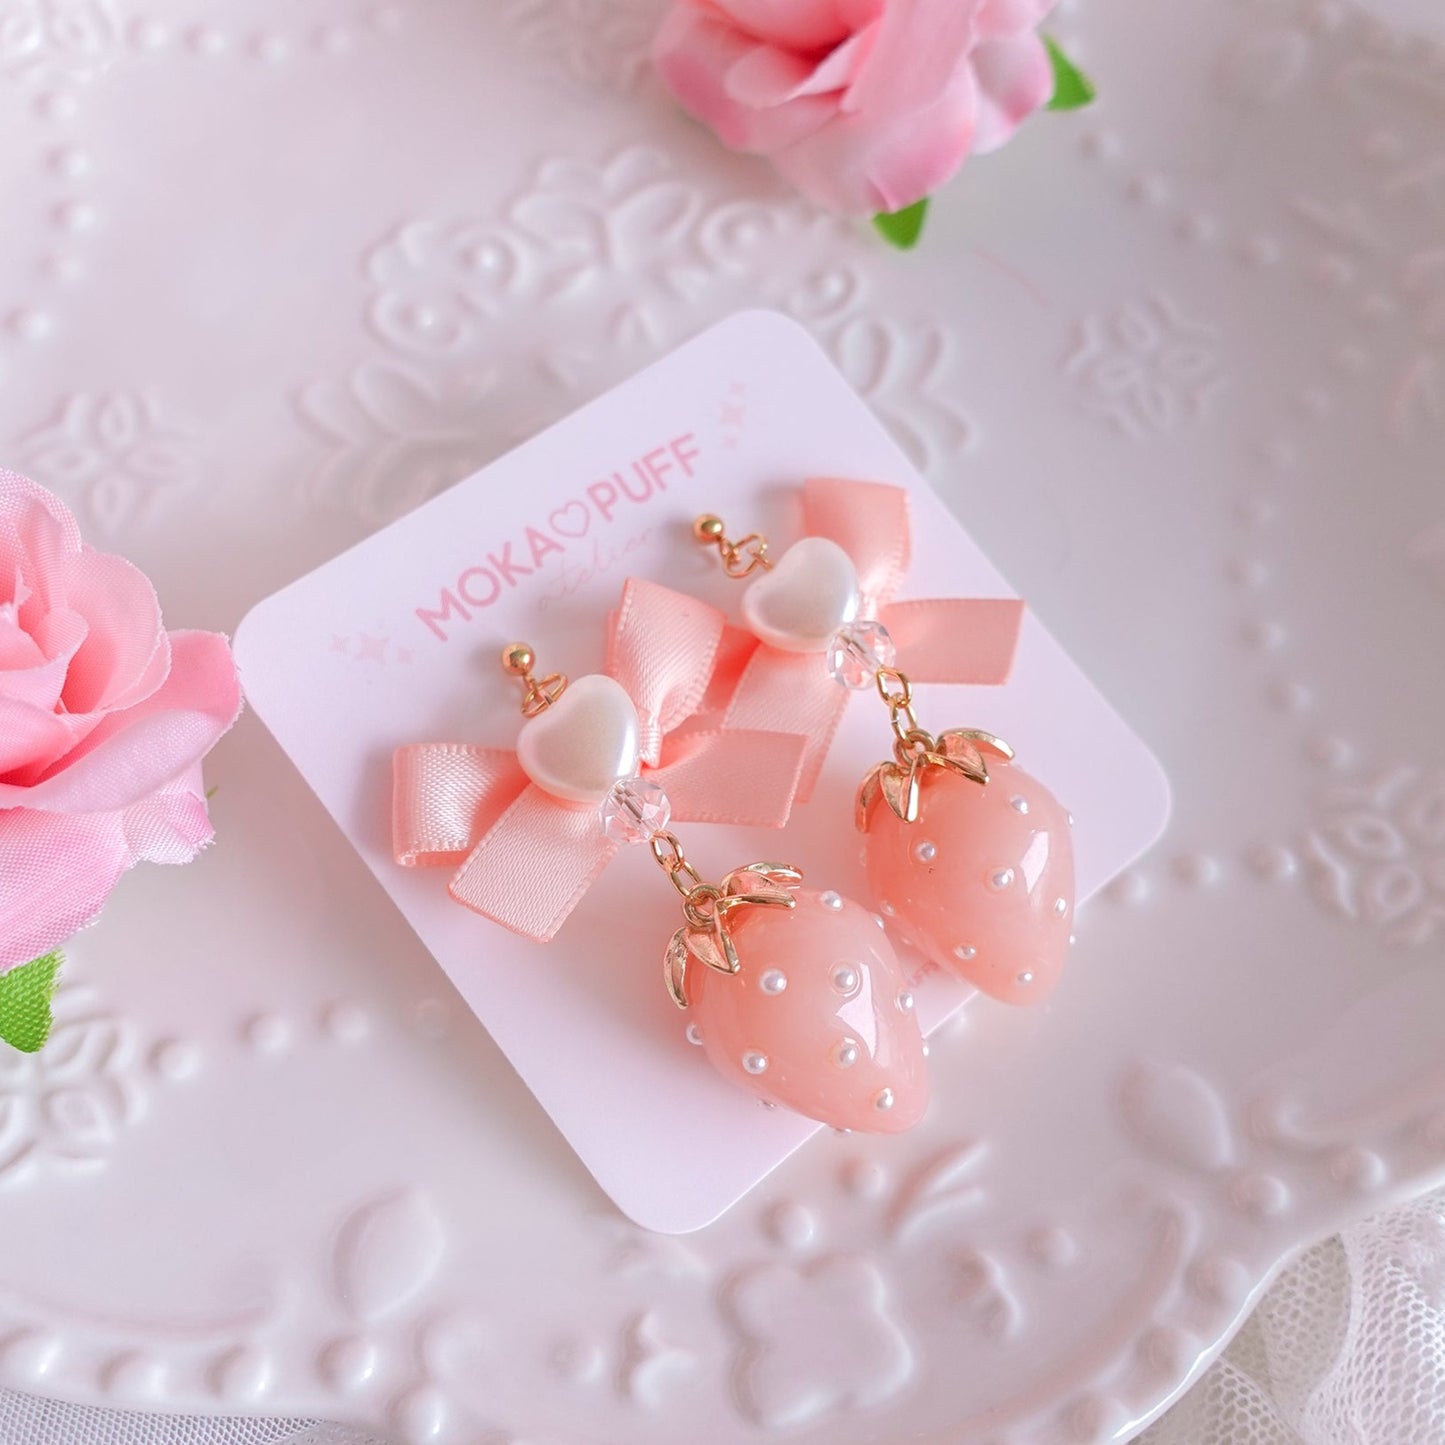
584, 743
810, 592
573, 520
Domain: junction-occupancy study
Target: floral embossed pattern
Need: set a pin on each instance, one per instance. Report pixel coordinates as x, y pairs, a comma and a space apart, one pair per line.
637, 251
1053, 1256
65, 1106
1145, 367
794, 1365
587, 45
114, 450
1379, 856
70, 38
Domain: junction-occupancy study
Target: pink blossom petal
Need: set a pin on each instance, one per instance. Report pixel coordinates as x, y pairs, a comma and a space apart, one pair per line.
1015, 78
768, 131
765, 77
33, 669
18, 650
45, 544
124, 658
170, 826
1004, 19
131, 754
19, 494
693, 53
843, 64
56, 871
768, 77
694, 56
920, 53
857, 168
28, 735
802, 25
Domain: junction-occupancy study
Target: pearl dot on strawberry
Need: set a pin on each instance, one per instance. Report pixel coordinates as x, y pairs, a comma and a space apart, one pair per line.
831, 900
987, 904
884, 1100
926, 851
812, 1021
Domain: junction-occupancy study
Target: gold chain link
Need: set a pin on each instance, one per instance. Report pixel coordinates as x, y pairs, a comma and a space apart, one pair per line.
886, 675
909, 739
699, 899
667, 851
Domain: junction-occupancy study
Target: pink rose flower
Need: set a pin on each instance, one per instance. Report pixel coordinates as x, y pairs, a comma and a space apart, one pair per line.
104, 719
864, 105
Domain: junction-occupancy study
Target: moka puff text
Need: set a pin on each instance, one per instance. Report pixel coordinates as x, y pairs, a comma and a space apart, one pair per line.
564, 531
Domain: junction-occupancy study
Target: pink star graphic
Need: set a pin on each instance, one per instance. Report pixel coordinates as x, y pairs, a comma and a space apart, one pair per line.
371, 649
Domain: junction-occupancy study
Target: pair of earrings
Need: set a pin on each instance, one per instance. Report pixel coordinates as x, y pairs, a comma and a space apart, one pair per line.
797, 994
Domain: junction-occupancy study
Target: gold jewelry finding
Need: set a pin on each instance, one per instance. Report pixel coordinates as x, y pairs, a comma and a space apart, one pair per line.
739, 558
540, 693
708, 907
960, 750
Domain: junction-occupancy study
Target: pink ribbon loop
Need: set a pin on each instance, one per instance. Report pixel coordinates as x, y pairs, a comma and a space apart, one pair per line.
661, 647
524, 858
445, 796
959, 640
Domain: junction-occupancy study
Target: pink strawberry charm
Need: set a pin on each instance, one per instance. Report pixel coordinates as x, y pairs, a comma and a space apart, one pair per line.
817, 1015
982, 879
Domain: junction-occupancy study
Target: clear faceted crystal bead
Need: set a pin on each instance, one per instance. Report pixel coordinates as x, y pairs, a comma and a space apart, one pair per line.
857, 651
634, 810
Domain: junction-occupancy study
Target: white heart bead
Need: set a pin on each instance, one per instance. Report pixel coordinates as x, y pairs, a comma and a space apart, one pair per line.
811, 591
584, 743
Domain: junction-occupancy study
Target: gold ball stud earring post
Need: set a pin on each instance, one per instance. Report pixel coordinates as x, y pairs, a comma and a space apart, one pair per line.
538, 693
740, 558
518, 659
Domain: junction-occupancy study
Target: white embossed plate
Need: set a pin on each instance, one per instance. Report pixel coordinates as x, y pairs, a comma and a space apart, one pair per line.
273, 272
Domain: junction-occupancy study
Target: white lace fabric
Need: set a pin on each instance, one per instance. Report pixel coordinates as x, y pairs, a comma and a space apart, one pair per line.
29, 1420
1346, 1348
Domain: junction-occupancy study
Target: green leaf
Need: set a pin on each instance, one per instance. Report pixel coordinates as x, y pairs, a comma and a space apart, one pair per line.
25, 994
1072, 88
903, 228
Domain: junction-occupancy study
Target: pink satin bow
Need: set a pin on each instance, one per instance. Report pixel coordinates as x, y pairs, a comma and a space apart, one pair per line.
952, 639
526, 858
